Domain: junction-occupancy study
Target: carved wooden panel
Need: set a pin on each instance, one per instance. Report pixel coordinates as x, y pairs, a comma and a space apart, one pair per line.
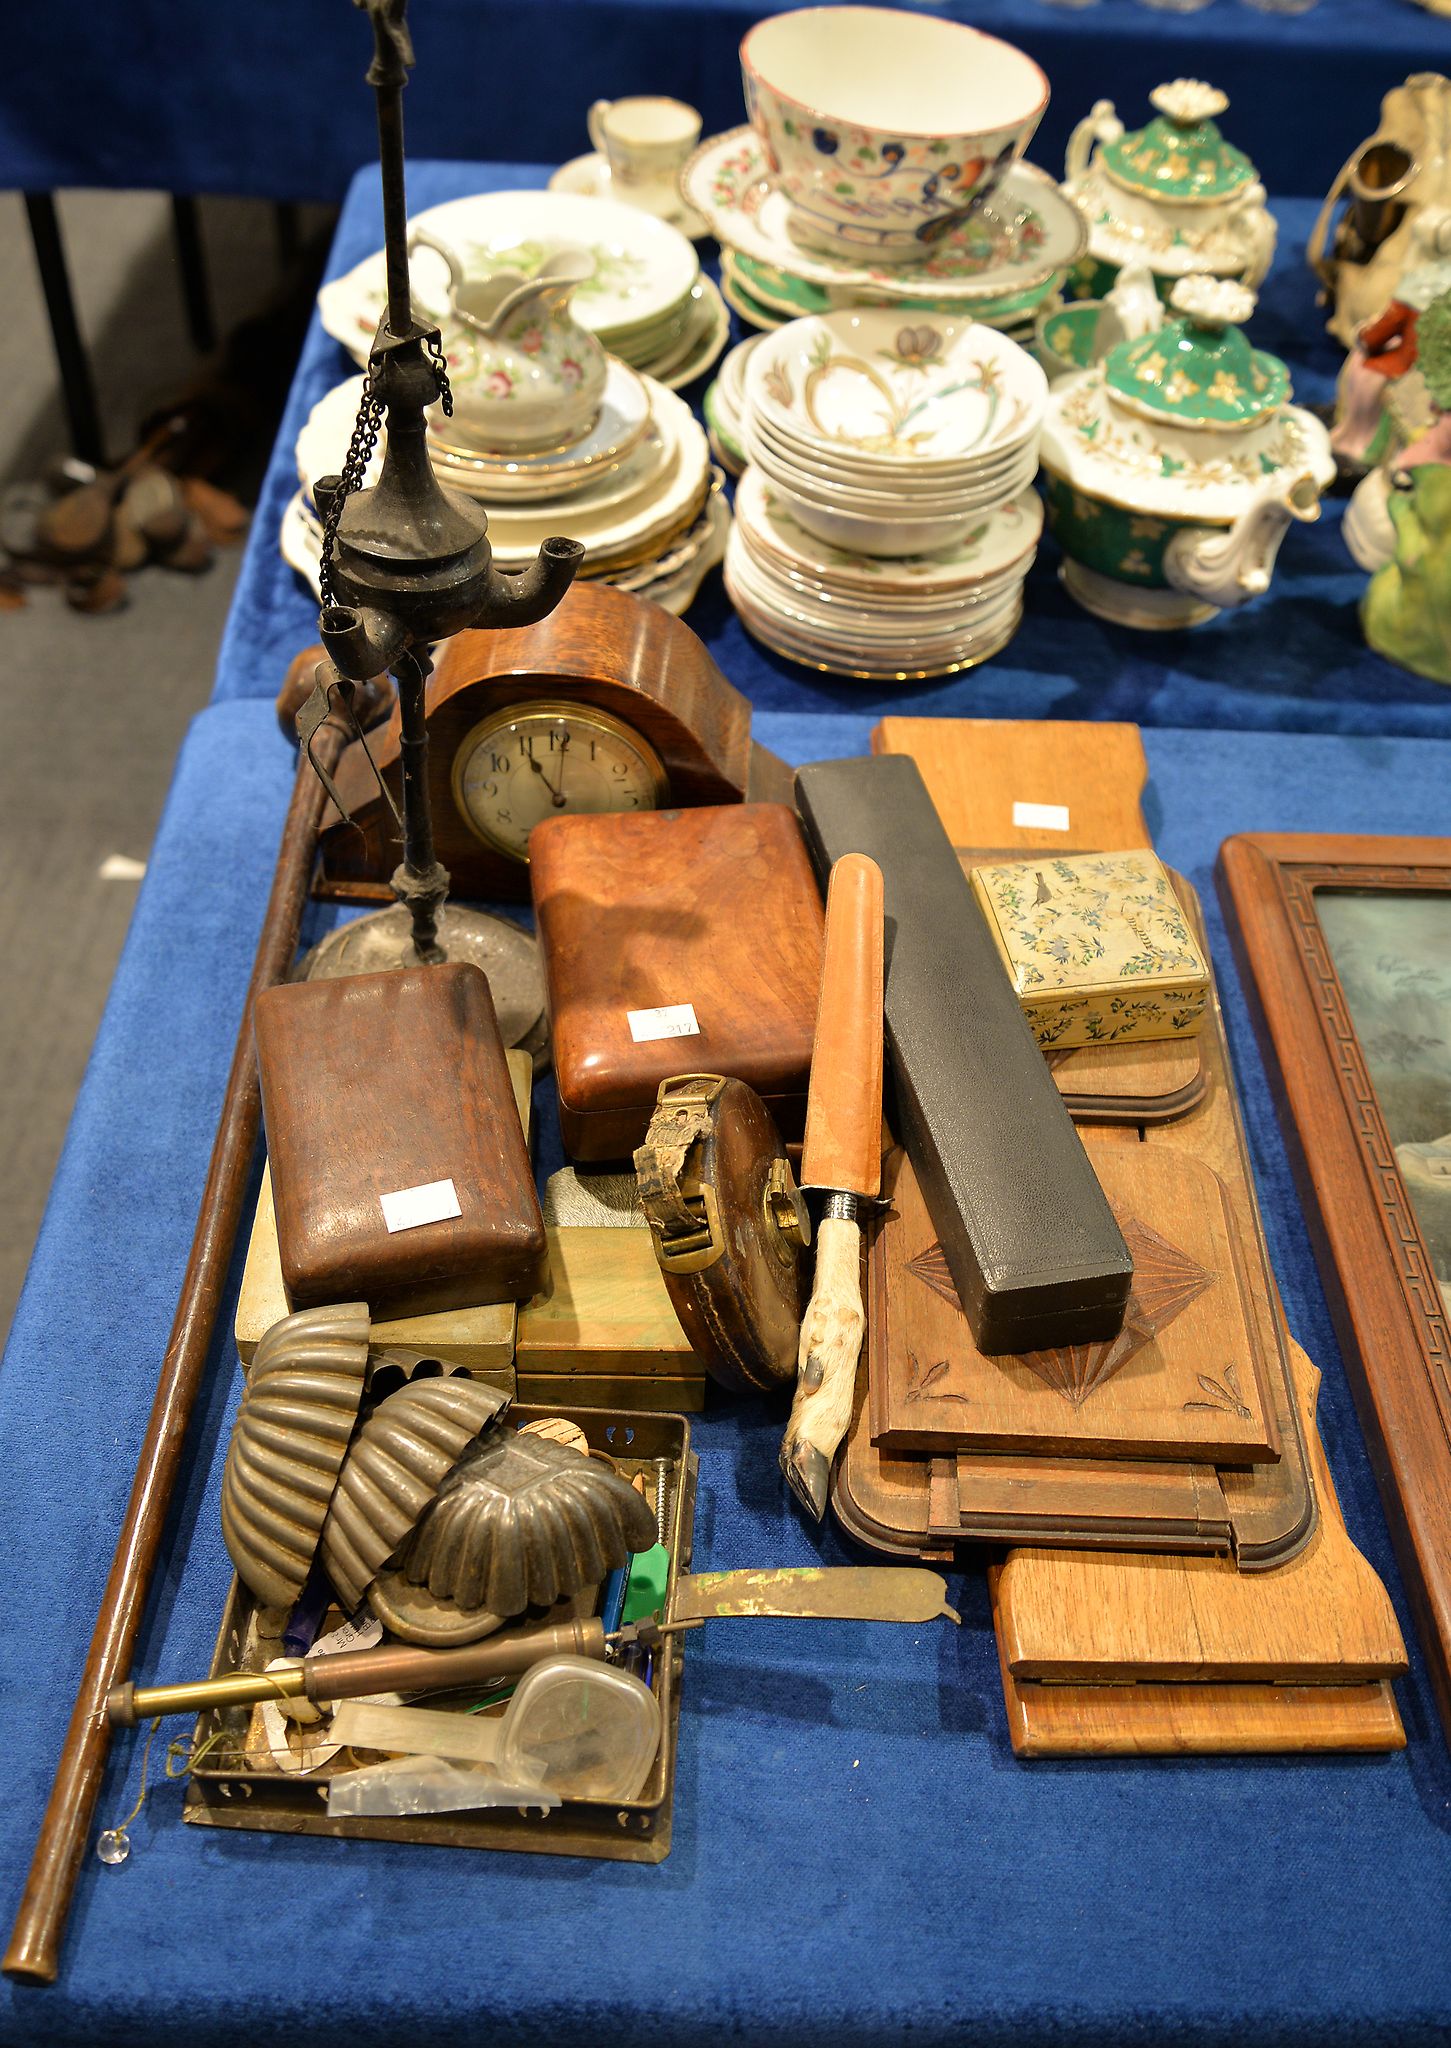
1183, 1378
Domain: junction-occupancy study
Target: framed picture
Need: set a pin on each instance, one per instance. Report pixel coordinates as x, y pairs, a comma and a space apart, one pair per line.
1345, 943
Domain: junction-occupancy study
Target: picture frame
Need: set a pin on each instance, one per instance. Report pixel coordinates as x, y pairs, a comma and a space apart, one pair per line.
1344, 945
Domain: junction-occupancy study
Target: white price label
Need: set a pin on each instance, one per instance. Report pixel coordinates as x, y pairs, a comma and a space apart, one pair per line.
672, 1020
434, 1202
1041, 817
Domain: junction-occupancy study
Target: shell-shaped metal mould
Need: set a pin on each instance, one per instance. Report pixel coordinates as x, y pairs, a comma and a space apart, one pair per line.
522, 1522
288, 1443
400, 1457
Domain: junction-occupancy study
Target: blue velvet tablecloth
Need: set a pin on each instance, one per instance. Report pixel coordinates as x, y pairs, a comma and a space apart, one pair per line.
267, 98
858, 1858
1295, 661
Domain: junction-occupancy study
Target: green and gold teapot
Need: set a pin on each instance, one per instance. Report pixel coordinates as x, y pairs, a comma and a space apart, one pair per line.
1173, 194
1174, 467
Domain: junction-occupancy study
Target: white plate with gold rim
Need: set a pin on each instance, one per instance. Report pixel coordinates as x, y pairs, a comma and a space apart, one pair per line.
619, 426
589, 176
516, 531
904, 631
860, 663
706, 334
1029, 229
644, 268
999, 539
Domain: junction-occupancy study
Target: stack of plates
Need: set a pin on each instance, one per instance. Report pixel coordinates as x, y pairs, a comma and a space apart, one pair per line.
860, 615
647, 301
887, 518
638, 490
1002, 266
724, 407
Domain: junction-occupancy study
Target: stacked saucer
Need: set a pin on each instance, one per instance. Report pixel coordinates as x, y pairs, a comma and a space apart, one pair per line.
882, 620
872, 445
647, 301
1001, 266
638, 489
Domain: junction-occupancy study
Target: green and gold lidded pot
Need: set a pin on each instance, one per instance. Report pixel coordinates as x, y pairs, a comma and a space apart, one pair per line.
1174, 468
1174, 194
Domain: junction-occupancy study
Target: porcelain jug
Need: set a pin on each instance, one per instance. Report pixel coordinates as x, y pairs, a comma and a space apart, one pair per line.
1175, 467
525, 374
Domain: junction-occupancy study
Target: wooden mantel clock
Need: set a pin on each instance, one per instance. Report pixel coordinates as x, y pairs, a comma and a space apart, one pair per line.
609, 704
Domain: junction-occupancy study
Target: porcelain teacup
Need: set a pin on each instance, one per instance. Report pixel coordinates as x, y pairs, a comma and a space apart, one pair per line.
885, 129
645, 141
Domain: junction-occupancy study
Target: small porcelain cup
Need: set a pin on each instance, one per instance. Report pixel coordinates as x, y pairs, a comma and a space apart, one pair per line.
645, 141
885, 129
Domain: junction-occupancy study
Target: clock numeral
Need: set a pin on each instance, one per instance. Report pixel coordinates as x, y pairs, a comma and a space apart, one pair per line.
491, 789
505, 819
501, 763
559, 742
618, 770
526, 744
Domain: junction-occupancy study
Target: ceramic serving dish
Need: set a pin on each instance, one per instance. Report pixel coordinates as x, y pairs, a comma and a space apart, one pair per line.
1174, 194
885, 129
1080, 334
1028, 233
1174, 468
929, 393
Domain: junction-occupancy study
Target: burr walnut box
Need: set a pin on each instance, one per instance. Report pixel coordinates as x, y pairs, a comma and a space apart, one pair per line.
675, 942
400, 1173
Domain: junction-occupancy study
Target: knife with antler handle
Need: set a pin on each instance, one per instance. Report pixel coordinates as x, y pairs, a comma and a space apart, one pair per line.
841, 1162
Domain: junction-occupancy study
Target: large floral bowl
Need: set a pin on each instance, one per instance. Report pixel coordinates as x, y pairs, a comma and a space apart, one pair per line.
885, 129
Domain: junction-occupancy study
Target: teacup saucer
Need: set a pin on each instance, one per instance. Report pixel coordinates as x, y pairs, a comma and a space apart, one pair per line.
589, 176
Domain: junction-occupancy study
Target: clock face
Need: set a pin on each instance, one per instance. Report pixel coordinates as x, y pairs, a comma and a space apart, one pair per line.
548, 760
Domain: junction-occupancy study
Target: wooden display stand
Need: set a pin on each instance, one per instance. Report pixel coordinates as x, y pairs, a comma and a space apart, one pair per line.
1119, 1651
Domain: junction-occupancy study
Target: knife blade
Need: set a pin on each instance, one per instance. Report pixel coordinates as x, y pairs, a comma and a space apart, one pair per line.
853, 1592
841, 1159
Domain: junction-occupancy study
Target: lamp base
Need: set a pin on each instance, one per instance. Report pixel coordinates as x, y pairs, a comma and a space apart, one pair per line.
508, 955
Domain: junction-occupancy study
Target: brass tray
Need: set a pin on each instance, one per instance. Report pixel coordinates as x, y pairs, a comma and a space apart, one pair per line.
227, 1791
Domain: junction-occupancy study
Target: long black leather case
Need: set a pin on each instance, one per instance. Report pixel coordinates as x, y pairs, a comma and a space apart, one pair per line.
1028, 1235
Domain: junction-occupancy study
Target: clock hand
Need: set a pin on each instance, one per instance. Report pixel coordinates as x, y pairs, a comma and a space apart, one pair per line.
556, 795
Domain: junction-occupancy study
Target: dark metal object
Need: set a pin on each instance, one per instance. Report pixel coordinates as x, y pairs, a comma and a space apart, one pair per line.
77, 386
34, 1950
406, 562
523, 1521
353, 1674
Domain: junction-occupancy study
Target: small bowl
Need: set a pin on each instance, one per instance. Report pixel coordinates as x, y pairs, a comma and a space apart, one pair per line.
885, 129
891, 538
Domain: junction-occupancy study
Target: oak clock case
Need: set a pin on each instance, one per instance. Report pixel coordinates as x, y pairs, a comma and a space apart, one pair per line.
607, 683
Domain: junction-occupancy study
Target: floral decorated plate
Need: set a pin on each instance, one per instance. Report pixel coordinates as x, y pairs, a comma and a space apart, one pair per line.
707, 331
866, 384
644, 267
773, 287
1025, 233
999, 539
827, 632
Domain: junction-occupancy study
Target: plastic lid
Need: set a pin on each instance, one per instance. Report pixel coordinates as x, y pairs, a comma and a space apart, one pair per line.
581, 1730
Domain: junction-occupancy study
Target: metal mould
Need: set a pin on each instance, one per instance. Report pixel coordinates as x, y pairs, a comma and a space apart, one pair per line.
289, 1441
401, 1456
523, 1521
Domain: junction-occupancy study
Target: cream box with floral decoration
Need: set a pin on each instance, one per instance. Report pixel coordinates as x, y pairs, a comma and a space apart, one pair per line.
1097, 947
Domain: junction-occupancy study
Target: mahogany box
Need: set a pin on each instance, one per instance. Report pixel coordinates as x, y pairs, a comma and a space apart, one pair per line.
1027, 1233
675, 942
400, 1172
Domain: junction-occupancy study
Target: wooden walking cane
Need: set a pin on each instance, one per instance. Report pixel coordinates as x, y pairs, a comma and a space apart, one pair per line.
34, 1951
